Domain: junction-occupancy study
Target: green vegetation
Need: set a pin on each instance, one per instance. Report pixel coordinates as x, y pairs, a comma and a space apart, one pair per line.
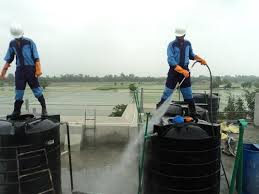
250, 99
121, 87
230, 108
240, 108
256, 84
132, 87
44, 82
118, 110
216, 82
228, 85
246, 84
245, 81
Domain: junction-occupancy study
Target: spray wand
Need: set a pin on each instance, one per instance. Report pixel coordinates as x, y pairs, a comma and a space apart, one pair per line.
185, 77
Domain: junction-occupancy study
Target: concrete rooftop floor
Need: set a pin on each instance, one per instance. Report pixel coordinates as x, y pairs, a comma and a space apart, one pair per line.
94, 169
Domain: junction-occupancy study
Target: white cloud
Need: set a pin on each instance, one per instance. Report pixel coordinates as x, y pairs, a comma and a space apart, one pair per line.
100, 37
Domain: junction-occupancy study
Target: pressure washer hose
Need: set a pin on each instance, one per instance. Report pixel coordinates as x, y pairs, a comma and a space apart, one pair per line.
146, 136
213, 132
185, 77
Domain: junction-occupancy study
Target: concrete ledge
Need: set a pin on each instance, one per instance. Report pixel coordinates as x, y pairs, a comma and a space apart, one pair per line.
108, 129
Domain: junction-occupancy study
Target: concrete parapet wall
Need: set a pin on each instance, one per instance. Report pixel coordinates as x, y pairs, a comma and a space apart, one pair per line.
108, 129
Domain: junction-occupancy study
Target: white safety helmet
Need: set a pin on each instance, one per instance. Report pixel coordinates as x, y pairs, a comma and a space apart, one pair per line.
180, 31
16, 30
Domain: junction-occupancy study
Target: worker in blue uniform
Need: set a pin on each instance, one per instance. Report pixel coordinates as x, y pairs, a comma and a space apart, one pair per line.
28, 68
179, 52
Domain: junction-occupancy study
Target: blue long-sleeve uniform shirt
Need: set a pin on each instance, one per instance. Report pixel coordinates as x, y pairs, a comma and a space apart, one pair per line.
26, 53
177, 55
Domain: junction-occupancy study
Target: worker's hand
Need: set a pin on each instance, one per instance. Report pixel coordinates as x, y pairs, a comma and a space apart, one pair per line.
38, 71
2, 75
186, 73
4, 71
179, 69
201, 60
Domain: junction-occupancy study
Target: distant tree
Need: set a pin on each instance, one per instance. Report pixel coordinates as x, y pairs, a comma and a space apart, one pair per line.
44, 82
250, 100
122, 75
218, 80
256, 84
122, 83
1, 83
225, 81
118, 110
230, 108
131, 76
246, 84
228, 85
132, 87
115, 83
240, 109
10, 79
215, 84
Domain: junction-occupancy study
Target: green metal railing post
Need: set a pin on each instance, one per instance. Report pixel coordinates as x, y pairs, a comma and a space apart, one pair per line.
141, 100
143, 156
238, 166
136, 99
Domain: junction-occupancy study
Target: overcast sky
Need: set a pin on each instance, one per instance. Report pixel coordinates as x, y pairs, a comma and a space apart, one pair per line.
99, 37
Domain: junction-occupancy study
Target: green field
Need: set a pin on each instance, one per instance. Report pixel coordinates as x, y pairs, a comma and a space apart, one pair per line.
74, 97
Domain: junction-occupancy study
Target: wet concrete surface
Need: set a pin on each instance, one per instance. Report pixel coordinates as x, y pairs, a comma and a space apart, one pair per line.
98, 171
94, 169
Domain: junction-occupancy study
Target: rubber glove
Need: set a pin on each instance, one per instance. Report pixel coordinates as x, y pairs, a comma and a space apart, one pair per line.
179, 69
201, 60
4, 71
38, 71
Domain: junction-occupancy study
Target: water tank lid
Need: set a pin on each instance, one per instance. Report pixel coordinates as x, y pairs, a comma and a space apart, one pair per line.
187, 131
6, 128
177, 119
173, 110
40, 125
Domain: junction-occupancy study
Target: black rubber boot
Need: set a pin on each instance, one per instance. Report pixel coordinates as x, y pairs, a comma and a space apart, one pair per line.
17, 108
160, 103
44, 112
192, 110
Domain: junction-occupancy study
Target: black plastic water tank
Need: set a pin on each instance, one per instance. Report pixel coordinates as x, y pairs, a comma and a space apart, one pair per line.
202, 113
181, 108
204, 98
183, 159
29, 155
174, 109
